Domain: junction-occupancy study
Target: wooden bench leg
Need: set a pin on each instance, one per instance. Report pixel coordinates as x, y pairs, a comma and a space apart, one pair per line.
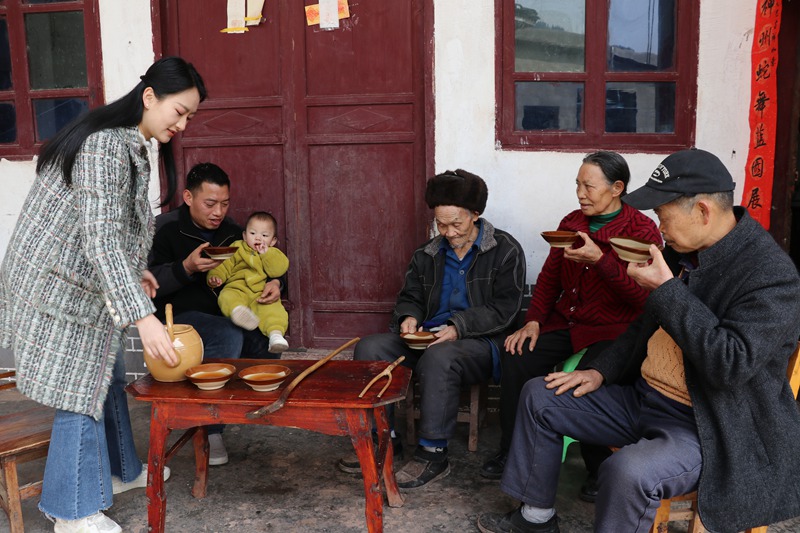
411, 430
12, 503
474, 416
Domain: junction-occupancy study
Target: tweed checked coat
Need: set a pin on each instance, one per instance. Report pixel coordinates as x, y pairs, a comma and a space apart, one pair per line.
70, 282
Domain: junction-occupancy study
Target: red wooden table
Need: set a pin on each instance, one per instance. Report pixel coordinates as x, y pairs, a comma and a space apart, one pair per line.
326, 402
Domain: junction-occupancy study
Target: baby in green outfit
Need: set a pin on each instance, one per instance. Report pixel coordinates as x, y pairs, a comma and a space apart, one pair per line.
255, 262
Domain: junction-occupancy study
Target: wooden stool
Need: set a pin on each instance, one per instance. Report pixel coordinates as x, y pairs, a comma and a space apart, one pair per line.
24, 436
473, 413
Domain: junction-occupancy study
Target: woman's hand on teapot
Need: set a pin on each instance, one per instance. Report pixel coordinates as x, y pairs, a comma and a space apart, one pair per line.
156, 340
589, 253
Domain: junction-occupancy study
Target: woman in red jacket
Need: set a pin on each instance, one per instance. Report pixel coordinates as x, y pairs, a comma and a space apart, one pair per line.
583, 297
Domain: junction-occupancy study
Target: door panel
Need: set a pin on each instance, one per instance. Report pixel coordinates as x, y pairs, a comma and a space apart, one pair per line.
326, 130
237, 125
361, 189
386, 118
371, 54
234, 66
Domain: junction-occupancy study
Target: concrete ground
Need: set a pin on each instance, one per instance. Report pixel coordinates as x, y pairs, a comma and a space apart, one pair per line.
282, 479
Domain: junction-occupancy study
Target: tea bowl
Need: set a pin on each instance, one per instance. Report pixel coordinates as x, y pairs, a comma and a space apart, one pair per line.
210, 376
264, 378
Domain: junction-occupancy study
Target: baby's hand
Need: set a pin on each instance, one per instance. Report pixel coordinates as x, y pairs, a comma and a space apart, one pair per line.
214, 281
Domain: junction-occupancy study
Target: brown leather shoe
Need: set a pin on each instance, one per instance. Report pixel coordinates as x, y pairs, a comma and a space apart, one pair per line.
423, 468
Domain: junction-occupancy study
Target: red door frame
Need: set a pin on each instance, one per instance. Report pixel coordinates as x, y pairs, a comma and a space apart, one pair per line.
786, 135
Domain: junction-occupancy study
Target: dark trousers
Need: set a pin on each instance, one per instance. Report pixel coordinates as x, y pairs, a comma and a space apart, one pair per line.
551, 349
659, 456
442, 369
222, 339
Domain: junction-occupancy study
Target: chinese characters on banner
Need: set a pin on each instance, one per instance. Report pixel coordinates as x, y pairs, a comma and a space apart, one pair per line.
757, 196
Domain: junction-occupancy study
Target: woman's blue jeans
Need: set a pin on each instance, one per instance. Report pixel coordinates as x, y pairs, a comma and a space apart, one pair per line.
85, 452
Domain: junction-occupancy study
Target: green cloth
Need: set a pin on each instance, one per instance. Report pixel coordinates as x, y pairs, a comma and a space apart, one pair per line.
597, 222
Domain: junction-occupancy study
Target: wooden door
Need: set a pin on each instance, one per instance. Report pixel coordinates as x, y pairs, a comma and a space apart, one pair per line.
326, 130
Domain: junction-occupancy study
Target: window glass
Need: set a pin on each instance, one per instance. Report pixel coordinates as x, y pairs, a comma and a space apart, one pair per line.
56, 50
549, 106
5, 57
52, 114
641, 35
8, 123
647, 107
549, 35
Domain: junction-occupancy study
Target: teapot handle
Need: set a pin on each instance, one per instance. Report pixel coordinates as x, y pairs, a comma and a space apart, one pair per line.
170, 331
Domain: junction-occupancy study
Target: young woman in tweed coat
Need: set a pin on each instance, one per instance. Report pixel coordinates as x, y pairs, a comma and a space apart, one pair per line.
73, 280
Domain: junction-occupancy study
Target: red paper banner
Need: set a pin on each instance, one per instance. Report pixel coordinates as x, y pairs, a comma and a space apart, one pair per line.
759, 172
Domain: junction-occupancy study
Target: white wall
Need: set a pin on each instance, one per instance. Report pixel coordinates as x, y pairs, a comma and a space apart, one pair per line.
127, 46
530, 192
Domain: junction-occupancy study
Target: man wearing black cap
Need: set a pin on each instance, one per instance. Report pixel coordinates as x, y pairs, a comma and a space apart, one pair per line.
701, 402
466, 284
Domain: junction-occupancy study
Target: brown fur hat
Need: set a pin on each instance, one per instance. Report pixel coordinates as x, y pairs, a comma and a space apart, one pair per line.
459, 188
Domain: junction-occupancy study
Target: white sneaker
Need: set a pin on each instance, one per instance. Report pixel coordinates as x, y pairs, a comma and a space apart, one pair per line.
243, 317
217, 454
96, 523
118, 486
277, 344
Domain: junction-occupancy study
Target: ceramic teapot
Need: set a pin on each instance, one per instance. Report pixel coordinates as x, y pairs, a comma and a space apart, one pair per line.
187, 344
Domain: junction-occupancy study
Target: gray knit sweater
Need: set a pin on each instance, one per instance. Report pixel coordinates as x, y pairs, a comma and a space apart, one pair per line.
70, 279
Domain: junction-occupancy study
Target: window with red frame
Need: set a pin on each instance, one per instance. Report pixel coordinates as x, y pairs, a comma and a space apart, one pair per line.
49, 69
590, 74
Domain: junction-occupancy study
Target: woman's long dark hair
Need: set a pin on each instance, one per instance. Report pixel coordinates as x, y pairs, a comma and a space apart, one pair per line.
169, 75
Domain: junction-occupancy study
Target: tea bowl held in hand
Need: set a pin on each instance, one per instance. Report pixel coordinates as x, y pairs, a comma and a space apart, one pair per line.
631, 249
419, 340
264, 378
220, 253
560, 238
210, 376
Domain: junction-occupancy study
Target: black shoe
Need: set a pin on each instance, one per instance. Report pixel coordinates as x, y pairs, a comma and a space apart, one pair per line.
351, 464
423, 468
513, 522
493, 468
589, 489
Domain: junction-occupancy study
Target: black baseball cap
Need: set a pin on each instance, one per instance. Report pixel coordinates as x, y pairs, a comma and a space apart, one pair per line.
687, 172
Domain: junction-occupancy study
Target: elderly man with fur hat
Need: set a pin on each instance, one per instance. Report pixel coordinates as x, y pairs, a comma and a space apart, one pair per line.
466, 284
